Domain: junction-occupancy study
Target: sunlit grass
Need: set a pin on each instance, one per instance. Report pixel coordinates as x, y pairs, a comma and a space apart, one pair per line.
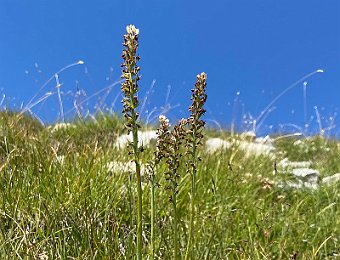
77, 207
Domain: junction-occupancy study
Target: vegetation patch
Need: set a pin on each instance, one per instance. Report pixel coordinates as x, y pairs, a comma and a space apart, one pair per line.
68, 191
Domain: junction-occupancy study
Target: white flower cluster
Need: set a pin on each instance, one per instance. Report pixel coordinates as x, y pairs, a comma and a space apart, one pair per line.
164, 120
131, 29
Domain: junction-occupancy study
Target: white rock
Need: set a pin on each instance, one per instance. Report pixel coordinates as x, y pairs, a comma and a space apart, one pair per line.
295, 185
309, 185
61, 126
331, 179
144, 138
119, 166
285, 163
298, 142
214, 144
257, 149
249, 135
265, 140
298, 184
250, 148
310, 176
124, 167
305, 172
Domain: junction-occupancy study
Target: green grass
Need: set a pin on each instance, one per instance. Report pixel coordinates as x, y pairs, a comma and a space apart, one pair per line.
76, 208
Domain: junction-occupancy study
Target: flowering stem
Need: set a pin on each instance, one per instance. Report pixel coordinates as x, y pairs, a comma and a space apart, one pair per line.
169, 147
130, 104
193, 141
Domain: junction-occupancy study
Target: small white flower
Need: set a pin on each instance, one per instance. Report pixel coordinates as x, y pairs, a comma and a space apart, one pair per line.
164, 120
131, 29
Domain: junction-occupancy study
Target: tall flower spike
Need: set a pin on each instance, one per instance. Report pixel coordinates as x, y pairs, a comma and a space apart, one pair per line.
163, 135
172, 156
163, 138
173, 152
130, 73
194, 139
198, 98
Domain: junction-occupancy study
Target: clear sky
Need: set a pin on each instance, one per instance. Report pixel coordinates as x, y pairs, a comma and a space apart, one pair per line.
257, 48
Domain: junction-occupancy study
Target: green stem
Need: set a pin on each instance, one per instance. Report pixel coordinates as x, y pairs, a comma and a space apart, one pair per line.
139, 186
188, 254
139, 212
131, 218
153, 213
174, 204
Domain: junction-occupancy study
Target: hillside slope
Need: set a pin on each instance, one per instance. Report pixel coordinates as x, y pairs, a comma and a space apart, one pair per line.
67, 192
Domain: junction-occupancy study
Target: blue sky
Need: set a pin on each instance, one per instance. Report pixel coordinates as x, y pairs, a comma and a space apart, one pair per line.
257, 48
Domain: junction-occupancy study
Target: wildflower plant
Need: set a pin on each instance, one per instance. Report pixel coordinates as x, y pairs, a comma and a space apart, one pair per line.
163, 137
130, 73
169, 146
193, 141
87, 212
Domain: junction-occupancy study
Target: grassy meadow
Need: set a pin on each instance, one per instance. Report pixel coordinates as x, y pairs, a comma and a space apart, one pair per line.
60, 200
